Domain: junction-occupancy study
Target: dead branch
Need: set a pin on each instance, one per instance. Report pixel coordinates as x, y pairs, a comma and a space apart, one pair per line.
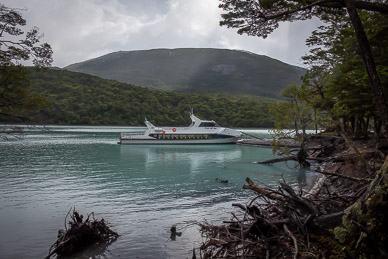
276, 160
275, 217
316, 188
302, 202
288, 232
300, 157
80, 234
262, 190
357, 179
265, 227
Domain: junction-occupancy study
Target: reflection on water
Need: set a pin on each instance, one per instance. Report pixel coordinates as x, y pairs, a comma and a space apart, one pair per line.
141, 190
196, 157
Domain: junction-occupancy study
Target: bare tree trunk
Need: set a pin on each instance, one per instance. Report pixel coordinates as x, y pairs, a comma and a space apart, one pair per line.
315, 121
369, 63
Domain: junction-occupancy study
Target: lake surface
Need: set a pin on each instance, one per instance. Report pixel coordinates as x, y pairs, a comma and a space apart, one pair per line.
141, 191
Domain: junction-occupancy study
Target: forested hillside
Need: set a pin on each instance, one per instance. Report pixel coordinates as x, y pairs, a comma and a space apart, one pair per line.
207, 71
76, 98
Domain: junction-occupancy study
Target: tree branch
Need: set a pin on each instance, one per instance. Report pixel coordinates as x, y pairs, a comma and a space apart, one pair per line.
357, 179
288, 232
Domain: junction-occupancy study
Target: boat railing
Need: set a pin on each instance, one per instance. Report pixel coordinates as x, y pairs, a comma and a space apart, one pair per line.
130, 135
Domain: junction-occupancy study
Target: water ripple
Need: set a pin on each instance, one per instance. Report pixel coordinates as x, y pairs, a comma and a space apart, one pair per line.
141, 190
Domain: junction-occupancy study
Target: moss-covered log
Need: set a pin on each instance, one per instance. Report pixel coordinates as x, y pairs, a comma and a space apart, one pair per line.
365, 223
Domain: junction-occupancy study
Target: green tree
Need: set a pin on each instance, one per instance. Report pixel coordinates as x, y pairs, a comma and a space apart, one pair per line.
16, 47
337, 81
260, 18
294, 113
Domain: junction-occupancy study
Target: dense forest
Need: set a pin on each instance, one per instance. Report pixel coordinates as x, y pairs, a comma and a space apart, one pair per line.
81, 99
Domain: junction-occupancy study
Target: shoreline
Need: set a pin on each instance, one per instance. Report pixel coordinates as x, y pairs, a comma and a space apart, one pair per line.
323, 221
266, 142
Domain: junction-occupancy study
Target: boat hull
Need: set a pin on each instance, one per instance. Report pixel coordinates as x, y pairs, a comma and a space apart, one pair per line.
231, 140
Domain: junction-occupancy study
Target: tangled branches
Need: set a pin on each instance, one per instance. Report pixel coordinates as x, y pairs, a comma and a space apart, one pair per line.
276, 223
81, 234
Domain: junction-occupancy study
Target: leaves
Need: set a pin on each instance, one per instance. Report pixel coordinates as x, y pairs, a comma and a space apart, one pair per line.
337, 80
14, 49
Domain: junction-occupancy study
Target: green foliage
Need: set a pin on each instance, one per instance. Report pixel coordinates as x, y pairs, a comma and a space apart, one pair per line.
295, 114
15, 96
335, 92
16, 47
337, 82
77, 98
204, 71
261, 18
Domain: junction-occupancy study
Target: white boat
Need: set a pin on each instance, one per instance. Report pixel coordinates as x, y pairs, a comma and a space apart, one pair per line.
199, 132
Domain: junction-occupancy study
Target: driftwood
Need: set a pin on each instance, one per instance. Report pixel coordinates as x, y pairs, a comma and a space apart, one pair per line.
263, 190
174, 233
276, 160
81, 233
276, 223
316, 188
300, 157
288, 232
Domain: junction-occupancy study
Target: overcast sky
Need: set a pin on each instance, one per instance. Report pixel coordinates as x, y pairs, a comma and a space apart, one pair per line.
79, 30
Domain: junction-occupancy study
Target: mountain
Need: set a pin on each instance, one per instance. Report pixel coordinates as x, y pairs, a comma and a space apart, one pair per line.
207, 71
82, 99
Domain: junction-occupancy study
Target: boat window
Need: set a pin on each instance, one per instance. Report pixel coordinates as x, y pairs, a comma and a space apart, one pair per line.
208, 124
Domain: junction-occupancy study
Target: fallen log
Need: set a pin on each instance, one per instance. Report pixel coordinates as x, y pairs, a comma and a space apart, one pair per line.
276, 160
327, 220
262, 190
302, 202
301, 157
314, 191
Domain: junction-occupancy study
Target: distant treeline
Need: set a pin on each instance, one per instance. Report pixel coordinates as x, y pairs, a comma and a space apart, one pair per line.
80, 99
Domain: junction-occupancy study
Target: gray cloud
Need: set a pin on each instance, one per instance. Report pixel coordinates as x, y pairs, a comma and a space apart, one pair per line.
83, 29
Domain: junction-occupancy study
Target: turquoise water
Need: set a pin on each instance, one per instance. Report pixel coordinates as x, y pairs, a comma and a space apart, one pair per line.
140, 190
